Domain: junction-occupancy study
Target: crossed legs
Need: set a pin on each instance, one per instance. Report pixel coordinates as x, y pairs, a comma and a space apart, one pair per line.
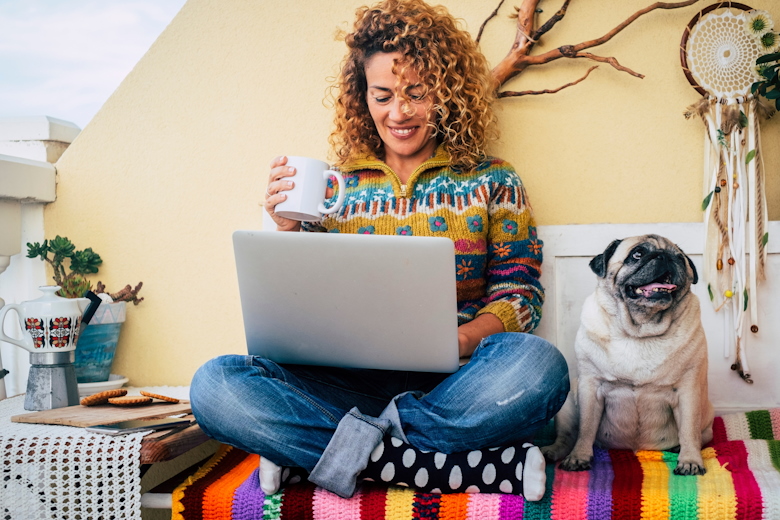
328, 421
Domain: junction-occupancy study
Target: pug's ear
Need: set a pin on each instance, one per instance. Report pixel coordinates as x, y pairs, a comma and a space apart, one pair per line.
600, 262
693, 268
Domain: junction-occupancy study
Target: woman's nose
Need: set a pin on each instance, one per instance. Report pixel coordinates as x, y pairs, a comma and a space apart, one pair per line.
397, 110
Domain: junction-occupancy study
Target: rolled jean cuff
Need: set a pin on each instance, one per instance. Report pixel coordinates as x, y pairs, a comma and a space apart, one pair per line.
347, 453
391, 414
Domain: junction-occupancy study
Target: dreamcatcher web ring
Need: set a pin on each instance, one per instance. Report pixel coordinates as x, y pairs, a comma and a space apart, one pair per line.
726, 49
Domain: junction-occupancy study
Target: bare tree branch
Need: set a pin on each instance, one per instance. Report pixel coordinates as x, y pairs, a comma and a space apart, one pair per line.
549, 24
611, 61
630, 20
492, 15
526, 16
512, 93
518, 59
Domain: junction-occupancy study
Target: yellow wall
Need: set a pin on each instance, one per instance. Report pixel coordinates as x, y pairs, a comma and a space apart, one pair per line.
177, 157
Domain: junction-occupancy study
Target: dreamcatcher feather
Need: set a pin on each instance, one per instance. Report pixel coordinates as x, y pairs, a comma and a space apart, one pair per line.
718, 53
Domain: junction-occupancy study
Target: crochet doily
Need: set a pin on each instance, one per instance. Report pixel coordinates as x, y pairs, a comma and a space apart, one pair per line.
66, 473
722, 55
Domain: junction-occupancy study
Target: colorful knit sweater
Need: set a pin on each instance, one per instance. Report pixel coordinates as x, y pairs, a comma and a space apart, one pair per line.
485, 212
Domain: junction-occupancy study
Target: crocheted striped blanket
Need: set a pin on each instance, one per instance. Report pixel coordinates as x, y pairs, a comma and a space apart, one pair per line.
742, 482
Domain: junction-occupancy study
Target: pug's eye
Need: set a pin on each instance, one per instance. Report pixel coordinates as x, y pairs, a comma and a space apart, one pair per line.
637, 255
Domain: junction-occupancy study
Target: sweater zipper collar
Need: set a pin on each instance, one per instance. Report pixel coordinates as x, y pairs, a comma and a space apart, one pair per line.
440, 158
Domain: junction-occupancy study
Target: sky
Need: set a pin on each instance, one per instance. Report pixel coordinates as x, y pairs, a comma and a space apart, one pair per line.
64, 58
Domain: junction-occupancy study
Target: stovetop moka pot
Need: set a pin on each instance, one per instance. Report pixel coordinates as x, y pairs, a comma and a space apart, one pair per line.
50, 326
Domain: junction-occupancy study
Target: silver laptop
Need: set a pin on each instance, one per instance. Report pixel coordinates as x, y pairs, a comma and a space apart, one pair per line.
360, 301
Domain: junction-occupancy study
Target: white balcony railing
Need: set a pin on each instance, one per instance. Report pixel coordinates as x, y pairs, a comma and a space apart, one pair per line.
28, 148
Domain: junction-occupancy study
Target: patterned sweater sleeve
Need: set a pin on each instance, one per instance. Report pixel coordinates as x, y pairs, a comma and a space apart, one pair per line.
514, 258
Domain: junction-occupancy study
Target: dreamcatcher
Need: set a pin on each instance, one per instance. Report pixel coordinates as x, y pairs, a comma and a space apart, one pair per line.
718, 52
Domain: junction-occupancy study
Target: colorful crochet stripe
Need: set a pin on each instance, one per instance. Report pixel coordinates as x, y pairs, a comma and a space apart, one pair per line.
742, 482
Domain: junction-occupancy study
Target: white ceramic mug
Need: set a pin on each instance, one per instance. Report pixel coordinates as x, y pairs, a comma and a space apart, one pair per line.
306, 200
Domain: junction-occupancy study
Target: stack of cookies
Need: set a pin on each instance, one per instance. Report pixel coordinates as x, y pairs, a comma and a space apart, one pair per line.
119, 397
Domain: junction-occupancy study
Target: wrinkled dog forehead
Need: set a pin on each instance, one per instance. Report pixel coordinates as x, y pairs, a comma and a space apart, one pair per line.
652, 242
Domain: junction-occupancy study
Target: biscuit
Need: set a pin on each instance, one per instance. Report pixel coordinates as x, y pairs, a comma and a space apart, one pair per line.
130, 400
160, 397
102, 397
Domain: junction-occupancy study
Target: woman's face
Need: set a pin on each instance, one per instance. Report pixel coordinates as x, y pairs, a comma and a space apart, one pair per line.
403, 127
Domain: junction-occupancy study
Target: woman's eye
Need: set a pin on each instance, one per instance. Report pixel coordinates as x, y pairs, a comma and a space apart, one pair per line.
382, 99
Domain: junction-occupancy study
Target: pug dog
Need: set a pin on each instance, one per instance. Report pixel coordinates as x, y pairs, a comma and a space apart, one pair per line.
642, 360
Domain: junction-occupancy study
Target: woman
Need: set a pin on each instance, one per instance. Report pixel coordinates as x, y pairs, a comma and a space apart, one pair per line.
413, 119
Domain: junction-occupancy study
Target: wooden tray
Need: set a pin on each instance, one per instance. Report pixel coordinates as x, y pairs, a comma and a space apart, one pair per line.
82, 416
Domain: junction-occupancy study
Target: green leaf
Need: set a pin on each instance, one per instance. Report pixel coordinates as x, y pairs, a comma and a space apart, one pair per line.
35, 250
75, 287
706, 201
765, 239
750, 156
85, 262
61, 247
754, 87
743, 120
745, 295
773, 94
721, 138
768, 57
709, 290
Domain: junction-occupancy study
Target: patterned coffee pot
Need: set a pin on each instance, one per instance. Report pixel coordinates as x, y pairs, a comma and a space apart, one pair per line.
50, 327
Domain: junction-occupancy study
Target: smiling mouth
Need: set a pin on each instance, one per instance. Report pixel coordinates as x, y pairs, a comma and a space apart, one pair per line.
660, 287
403, 132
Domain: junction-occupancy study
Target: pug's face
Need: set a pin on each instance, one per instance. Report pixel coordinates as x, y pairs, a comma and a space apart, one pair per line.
649, 274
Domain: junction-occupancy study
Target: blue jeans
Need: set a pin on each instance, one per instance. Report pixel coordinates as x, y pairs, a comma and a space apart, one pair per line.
328, 420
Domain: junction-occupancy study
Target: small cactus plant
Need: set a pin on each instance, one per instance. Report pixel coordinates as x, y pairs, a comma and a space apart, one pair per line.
72, 281
73, 284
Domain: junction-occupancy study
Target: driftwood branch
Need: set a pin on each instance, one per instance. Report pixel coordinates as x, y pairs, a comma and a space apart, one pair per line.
549, 24
511, 93
492, 15
519, 57
611, 61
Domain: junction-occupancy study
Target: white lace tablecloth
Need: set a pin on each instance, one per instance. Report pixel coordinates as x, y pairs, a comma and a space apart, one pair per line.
66, 473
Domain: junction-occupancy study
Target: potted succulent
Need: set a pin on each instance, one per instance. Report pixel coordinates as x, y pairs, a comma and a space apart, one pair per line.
97, 344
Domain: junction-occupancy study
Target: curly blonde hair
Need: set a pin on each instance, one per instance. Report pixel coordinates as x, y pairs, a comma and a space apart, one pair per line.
450, 67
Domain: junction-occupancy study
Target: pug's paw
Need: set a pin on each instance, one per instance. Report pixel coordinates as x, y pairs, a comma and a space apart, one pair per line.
554, 452
689, 468
574, 463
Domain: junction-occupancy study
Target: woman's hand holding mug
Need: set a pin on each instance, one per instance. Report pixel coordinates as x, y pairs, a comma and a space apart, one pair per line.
278, 182
289, 202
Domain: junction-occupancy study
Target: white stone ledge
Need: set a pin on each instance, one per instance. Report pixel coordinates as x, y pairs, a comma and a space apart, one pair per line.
37, 128
25, 180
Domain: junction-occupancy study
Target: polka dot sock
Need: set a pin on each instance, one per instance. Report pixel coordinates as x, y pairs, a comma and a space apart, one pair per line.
273, 477
516, 469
